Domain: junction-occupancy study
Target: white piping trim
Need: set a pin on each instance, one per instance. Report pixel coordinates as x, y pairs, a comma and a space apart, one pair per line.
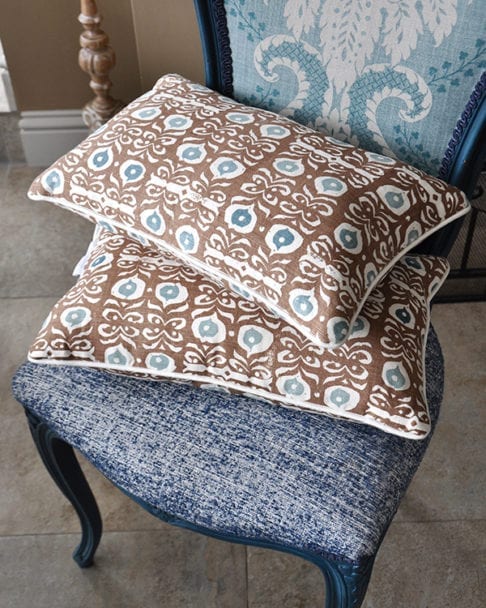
277, 399
218, 275
306, 406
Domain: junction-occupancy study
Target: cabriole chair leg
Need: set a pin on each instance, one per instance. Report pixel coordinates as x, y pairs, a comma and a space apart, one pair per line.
346, 584
61, 462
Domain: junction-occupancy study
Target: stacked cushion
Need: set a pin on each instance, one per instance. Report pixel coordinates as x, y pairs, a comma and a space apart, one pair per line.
303, 223
250, 253
135, 311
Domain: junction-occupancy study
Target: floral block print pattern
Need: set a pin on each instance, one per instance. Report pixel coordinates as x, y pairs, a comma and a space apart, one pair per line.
135, 311
392, 76
302, 223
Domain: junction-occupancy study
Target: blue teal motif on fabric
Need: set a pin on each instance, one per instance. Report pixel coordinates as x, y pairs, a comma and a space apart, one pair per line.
303, 304
241, 218
282, 239
128, 289
153, 221
227, 167
177, 122
378, 74
331, 186
54, 182
341, 397
132, 171
339, 328
188, 238
209, 329
403, 314
395, 376
100, 159
118, 355
159, 361
191, 153
255, 339
99, 261
147, 113
76, 317
171, 293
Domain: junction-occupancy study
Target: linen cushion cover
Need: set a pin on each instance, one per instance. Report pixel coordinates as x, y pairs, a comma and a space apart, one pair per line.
256, 471
303, 223
135, 311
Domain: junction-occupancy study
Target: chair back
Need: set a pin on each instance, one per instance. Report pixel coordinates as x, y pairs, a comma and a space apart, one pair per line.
401, 78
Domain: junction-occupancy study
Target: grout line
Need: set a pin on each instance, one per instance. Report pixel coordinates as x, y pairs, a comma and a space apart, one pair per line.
35, 297
161, 530
78, 533
246, 578
439, 521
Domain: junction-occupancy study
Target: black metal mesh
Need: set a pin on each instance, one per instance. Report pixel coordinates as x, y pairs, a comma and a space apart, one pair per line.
467, 280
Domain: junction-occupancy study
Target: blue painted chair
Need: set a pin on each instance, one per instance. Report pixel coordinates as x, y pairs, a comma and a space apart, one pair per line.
401, 78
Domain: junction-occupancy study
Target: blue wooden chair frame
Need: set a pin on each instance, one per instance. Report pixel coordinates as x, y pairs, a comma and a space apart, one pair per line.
346, 583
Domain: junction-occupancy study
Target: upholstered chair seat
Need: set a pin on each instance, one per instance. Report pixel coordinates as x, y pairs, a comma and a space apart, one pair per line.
240, 468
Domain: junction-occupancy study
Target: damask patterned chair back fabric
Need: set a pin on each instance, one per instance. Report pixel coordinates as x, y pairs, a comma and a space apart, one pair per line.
390, 76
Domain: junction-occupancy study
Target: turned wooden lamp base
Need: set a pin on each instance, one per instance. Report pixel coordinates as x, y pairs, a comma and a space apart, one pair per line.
97, 58
95, 115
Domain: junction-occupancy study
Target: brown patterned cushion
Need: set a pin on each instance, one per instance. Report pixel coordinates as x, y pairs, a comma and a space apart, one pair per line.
135, 311
302, 223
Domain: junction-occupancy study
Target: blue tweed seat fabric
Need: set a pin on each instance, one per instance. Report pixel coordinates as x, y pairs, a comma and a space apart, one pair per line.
237, 466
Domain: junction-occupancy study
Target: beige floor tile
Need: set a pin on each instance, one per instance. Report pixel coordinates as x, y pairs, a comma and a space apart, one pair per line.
40, 243
430, 565
30, 502
3, 150
451, 483
427, 565
4, 168
278, 580
20, 319
171, 568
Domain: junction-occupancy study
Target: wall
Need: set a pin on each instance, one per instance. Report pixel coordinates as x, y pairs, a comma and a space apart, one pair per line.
41, 43
167, 40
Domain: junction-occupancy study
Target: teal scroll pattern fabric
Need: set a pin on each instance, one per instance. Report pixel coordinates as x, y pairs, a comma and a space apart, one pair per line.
390, 76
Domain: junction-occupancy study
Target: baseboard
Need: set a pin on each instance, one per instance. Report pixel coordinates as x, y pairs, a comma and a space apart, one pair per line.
47, 135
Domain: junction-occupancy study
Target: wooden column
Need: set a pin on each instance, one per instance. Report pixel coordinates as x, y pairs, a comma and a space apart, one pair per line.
96, 58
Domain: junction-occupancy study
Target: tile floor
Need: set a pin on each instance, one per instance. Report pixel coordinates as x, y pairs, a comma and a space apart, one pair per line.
431, 557
10, 143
